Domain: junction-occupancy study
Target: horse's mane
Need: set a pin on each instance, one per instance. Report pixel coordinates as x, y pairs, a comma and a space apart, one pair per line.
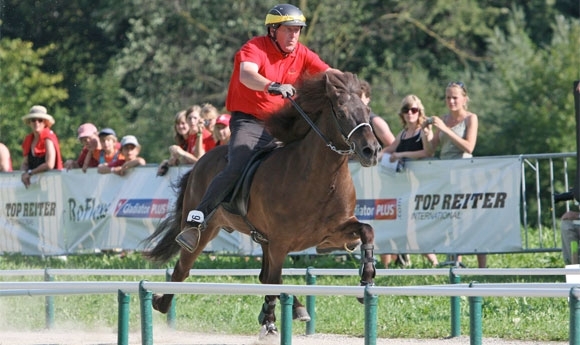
287, 125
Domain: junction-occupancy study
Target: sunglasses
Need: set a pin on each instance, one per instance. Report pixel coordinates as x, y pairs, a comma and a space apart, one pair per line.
36, 120
405, 110
457, 83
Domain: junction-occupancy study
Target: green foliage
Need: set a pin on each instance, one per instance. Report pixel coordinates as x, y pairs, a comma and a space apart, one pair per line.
23, 84
132, 65
537, 112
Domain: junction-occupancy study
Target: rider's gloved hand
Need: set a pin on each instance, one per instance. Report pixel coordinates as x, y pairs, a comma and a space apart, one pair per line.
285, 90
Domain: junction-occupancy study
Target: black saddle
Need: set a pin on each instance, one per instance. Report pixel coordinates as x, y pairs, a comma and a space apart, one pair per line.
237, 201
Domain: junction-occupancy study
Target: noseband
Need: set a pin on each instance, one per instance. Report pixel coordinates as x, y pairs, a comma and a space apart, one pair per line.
329, 144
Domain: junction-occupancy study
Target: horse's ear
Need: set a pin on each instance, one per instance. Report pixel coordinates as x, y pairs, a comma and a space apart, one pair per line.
331, 90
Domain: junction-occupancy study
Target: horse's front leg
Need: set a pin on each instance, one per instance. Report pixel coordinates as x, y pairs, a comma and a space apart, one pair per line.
267, 317
368, 270
271, 273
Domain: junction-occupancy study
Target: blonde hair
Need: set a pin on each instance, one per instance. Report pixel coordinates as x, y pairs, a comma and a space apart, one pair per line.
209, 112
180, 116
407, 102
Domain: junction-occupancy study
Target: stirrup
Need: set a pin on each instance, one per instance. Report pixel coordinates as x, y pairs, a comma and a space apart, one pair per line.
183, 243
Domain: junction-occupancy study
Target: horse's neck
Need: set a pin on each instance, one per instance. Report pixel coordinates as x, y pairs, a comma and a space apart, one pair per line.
314, 150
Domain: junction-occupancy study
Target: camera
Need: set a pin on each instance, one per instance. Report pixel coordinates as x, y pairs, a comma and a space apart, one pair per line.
566, 196
163, 169
429, 121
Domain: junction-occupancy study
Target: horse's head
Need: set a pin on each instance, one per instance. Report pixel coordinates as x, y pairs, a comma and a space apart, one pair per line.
352, 116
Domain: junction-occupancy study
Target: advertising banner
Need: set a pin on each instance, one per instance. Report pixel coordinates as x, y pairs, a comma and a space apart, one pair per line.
442, 206
456, 206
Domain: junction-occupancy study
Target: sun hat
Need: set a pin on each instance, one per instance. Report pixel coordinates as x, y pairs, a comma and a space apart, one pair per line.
86, 130
129, 139
107, 131
39, 112
223, 119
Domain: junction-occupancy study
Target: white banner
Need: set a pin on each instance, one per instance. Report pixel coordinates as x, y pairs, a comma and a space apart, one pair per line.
442, 206
459, 206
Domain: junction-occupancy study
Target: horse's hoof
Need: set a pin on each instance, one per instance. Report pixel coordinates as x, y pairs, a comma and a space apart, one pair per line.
300, 314
268, 331
360, 300
160, 304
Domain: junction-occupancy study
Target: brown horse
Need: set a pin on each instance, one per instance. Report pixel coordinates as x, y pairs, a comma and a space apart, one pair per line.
301, 195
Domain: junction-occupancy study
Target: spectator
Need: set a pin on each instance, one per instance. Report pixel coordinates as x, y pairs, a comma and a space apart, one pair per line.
456, 133
40, 148
413, 142
385, 137
5, 160
380, 127
130, 149
209, 115
571, 229
87, 134
265, 68
110, 146
181, 152
221, 130
200, 139
570, 237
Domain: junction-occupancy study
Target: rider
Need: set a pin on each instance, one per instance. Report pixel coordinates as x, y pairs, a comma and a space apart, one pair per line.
264, 68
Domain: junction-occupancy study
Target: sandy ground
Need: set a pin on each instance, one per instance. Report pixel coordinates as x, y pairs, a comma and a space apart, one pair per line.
170, 337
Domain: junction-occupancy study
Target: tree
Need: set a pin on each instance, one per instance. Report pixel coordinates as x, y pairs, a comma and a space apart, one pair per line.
22, 85
533, 89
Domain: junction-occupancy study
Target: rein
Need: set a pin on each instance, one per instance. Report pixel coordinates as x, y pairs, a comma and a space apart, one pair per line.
329, 144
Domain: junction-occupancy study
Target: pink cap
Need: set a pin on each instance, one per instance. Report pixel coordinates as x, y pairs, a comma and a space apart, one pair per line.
223, 119
87, 130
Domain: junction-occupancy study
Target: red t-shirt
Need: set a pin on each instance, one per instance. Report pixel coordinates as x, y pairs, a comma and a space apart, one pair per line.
93, 162
40, 148
275, 67
207, 141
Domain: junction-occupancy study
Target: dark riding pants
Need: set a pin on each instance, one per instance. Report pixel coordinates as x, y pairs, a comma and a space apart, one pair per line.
248, 137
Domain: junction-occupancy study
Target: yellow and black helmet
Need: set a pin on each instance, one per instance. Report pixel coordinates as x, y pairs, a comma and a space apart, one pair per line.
285, 14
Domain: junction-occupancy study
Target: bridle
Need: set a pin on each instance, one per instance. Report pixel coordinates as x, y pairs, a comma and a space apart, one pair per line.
329, 144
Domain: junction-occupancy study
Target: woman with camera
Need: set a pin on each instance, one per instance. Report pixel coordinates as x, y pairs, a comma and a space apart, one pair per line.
413, 142
457, 134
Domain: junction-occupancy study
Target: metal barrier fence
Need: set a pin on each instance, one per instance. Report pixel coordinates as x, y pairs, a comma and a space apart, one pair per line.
286, 292
542, 176
475, 292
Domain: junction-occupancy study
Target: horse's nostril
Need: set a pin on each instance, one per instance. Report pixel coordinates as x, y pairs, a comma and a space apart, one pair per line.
369, 152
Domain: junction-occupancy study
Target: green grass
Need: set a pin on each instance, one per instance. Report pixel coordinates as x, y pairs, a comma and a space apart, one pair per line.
538, 319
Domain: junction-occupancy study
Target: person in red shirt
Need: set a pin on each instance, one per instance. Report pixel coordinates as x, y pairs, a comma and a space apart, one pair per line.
265, 68
40, 148
180, 151
110, 147
130, 150
200, 139
89, 138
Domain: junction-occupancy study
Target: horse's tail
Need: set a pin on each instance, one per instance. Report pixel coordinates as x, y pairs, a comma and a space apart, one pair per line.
161, 245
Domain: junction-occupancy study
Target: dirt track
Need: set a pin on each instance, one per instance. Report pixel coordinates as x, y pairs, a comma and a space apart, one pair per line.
170, 337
